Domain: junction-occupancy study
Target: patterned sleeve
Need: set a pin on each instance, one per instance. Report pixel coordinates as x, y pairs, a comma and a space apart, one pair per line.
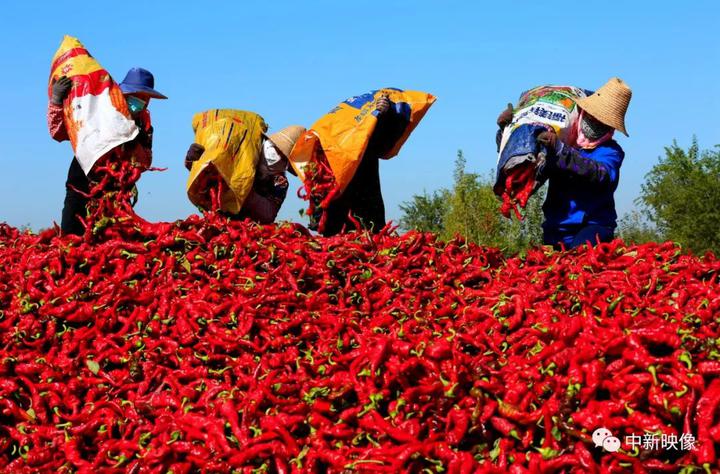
602, 168
56, 123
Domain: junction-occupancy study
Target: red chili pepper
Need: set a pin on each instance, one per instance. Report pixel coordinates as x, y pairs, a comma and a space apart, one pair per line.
227, 345
707, 405
519, 184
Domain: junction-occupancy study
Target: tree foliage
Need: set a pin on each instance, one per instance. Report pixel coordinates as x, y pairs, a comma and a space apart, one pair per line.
681, 197
633, 228
425, 212
471, 209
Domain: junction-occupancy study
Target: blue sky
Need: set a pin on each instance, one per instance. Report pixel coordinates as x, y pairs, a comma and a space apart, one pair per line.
293, 61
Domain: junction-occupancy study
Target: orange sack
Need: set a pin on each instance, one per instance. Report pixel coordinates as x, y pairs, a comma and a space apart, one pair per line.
344, 132
327, 156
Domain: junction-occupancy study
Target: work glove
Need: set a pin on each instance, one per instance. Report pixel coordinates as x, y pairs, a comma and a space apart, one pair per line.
60, 90
549, 140
505, 117
273, 186
193, 154
383, 104
280, 187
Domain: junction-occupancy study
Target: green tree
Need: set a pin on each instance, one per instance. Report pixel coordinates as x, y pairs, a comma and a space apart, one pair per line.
425, 212
471, 209
633, 228
682, 197
528, 232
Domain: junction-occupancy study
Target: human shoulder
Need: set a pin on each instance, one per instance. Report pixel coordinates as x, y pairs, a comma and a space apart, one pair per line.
611, 146
608, 151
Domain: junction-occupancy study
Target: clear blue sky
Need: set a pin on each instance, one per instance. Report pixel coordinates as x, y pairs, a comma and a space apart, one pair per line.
293, 61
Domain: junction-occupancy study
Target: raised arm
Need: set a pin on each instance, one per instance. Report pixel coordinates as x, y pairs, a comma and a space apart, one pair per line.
55, 116
602, 168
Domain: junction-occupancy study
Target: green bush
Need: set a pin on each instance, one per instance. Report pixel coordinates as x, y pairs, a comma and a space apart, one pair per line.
633, 228
471, 209
681, 197
425, 212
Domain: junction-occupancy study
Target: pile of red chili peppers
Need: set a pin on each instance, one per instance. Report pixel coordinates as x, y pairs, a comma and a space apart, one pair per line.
206, 345
519, 185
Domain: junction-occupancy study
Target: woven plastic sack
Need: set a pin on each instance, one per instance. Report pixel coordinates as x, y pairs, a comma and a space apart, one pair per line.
96, 114
343, 134
232, 140
538, 109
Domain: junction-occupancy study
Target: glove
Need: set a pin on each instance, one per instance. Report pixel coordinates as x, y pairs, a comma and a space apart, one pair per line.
505, 117
60, 90
193, 154
272, 187
280, 187
549, 140
383, 104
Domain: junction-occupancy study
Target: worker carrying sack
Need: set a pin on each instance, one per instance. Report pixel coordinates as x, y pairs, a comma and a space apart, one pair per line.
521, 162
232, 140
96, 115
327, 156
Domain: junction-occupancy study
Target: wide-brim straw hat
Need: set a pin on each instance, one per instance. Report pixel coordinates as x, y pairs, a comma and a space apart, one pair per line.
609, 104
285, 139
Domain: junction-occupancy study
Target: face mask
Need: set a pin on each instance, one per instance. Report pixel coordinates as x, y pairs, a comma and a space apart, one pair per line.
135, 104
592, 128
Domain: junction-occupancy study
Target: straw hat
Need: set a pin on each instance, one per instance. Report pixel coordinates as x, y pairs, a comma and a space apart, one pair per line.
609, 104
285, 139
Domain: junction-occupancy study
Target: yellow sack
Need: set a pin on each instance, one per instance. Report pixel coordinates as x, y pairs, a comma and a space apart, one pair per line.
96, 114
344, 132
232, 140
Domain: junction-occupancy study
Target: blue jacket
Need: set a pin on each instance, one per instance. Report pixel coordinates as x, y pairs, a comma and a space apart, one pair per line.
581, 186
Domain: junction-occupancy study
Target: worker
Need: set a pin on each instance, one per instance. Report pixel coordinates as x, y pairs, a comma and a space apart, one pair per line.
583, 175
362, 200
270, 185
138, 89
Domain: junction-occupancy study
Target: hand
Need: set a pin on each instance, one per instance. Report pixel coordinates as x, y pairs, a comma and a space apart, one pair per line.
383, 104
505, 117
548, 139
144, 137
280, 187
193, 154
273, 187
61, 89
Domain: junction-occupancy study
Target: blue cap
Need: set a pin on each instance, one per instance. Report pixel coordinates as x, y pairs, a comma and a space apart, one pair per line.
139, 80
